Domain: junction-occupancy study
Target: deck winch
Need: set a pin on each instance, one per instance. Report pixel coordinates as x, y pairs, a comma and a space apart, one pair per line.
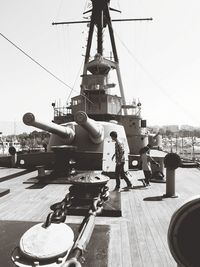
51, 244
88, 186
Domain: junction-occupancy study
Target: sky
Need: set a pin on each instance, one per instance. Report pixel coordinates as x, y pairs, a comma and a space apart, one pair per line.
159, 59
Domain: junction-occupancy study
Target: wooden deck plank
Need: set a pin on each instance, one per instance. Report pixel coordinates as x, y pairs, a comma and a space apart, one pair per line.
132, 242
115, 249
137, 239
141, 234
152, 239
158, 233
125, 244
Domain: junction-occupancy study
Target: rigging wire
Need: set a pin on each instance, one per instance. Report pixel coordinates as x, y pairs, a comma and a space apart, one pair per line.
88, 5
44, 68
59, 8
31, 58
155, 81
66, 46
152, 78
79, 71
78, 74
118, 5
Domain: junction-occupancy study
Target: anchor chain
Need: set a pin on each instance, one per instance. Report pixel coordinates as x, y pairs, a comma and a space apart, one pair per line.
86, 229
60, 209
74, 256
59, 212
98, 202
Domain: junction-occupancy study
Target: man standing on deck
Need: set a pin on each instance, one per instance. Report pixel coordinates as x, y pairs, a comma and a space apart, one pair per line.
120, 161
146, 163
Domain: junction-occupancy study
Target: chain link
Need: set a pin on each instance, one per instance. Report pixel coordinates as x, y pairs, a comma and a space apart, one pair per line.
60, 209
97, 205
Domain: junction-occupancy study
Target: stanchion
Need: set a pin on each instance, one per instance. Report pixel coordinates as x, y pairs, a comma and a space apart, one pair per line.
41, 170
12, 151
172, 162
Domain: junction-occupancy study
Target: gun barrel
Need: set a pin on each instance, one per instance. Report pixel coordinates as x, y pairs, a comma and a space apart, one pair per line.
95, 129
62, 131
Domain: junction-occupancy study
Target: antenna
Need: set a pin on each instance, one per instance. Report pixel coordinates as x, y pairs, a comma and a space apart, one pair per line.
15, 127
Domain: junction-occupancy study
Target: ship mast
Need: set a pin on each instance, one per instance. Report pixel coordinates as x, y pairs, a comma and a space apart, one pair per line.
100, 18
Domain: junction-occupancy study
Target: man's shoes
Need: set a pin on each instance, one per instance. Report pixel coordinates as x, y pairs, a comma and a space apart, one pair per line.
127, 187
117, 188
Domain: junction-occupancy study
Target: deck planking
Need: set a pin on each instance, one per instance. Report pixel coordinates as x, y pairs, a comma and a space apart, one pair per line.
137, 239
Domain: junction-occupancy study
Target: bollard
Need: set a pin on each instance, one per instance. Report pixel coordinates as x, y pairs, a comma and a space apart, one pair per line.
172, 161
41, 171
12, 151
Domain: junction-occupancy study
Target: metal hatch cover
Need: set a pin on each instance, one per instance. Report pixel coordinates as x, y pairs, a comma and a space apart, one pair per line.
89, 178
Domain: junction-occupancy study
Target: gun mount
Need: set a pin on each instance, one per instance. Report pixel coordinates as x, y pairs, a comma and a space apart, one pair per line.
95, 129
62, 131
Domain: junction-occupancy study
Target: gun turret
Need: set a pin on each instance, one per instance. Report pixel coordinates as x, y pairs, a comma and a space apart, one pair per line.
60, 130
95, 129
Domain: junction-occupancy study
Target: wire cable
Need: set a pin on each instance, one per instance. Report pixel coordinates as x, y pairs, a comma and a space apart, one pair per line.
41, 66
31, 58
153, 79
171, 98
75, 80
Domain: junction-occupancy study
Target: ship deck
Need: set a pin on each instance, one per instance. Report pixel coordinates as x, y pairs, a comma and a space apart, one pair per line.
137, 238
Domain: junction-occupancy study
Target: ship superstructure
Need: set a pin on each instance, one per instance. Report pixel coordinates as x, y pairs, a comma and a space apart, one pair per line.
95, 95
86, 123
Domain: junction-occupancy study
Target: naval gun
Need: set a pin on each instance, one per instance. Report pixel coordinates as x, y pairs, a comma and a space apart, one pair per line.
80, 143
67, 131
63, 132
95, 130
